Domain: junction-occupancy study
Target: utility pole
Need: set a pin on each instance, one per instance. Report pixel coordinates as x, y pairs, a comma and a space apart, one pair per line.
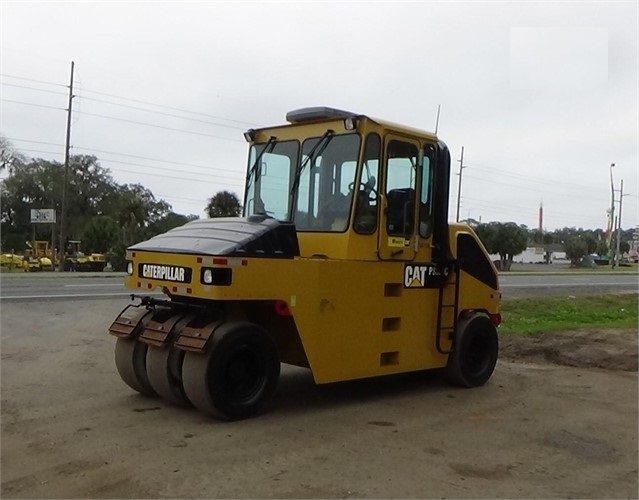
461, 168
619, 226
611, 223
63, 208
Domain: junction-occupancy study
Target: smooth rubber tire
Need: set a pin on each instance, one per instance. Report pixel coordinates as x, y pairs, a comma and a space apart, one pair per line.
164, 369
474, 356
130, 361
237, 374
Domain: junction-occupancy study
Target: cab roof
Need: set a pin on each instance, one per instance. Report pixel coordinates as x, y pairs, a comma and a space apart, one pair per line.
324, 113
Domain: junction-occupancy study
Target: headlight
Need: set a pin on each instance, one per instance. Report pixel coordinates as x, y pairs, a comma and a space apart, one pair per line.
207, 276
216, 276
129, 268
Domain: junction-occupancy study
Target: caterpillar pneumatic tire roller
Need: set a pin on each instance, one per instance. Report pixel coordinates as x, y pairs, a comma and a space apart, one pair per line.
344, 263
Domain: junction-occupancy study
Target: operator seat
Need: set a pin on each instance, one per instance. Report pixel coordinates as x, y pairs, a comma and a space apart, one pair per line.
400, 208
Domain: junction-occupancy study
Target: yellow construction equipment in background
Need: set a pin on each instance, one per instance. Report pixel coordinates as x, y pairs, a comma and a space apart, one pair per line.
76, 260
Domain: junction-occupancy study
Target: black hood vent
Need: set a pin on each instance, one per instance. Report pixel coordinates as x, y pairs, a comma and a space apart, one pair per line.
255, 236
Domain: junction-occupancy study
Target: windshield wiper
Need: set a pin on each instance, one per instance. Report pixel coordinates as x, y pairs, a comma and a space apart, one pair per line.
314, 153
268, 147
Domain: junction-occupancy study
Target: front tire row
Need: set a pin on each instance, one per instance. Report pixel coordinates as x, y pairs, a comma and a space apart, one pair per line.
238, 373
233, 379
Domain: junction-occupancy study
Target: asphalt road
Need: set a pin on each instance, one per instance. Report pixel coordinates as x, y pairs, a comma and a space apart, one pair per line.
23, 286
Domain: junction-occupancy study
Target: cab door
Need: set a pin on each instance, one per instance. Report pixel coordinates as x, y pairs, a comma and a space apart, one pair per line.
398, 225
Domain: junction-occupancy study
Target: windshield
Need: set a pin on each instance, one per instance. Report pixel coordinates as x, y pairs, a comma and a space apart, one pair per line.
326, 184
269, 181
321, 192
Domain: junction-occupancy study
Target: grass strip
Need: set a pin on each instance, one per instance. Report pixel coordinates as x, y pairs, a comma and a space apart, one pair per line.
546, 314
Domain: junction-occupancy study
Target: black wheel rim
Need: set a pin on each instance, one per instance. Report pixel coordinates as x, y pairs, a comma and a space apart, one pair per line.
478, 354
244, 375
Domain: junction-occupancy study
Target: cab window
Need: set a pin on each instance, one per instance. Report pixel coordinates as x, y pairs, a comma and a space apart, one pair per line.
425, 194
401, 174
367, 198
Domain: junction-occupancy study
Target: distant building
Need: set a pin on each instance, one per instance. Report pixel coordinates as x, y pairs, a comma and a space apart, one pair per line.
533, 255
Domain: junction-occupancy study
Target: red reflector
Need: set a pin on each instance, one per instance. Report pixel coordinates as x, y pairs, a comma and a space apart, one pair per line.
496, 319
244, 262
139, 285
281, 308
220, 262
174, 289
149, 285
199, 260
189, 290
133, 254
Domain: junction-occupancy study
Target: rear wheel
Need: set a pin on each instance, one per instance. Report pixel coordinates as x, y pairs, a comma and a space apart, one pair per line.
474, 356
236, 376
130, 360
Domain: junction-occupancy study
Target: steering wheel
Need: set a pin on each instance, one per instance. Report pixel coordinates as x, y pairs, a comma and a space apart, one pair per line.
367, 187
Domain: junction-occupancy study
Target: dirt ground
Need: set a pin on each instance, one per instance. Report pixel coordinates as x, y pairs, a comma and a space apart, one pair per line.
557, 420
606, 349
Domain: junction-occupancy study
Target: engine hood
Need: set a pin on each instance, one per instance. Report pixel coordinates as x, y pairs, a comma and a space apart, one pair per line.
255, 236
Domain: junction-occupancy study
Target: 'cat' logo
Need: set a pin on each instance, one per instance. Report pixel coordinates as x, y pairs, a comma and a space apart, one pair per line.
424, 275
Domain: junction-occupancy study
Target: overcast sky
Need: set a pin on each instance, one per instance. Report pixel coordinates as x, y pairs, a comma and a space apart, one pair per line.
542, 96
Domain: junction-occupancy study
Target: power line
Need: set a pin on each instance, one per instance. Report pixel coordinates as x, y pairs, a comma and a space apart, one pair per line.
167, 107
160, 113
93, 150
32, 88
178, 163
536, 190
138, 101
518, 210
506, 206
32, 104
551, 182
163, 176
13, 139
156, 126
518, 213
172, 170
32, 80
40, 151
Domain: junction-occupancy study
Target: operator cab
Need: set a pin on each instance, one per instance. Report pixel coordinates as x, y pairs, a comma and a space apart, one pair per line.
353, 186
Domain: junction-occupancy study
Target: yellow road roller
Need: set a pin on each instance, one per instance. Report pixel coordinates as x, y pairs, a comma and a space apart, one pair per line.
343, 262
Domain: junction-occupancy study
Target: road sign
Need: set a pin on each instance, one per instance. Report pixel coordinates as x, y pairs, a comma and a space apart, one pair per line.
42, 216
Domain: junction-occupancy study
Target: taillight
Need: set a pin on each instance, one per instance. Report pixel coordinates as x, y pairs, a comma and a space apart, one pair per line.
281, 308
496, 319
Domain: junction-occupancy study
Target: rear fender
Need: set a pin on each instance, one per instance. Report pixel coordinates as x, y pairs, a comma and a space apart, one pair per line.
163, 325
196, 333
130, 321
